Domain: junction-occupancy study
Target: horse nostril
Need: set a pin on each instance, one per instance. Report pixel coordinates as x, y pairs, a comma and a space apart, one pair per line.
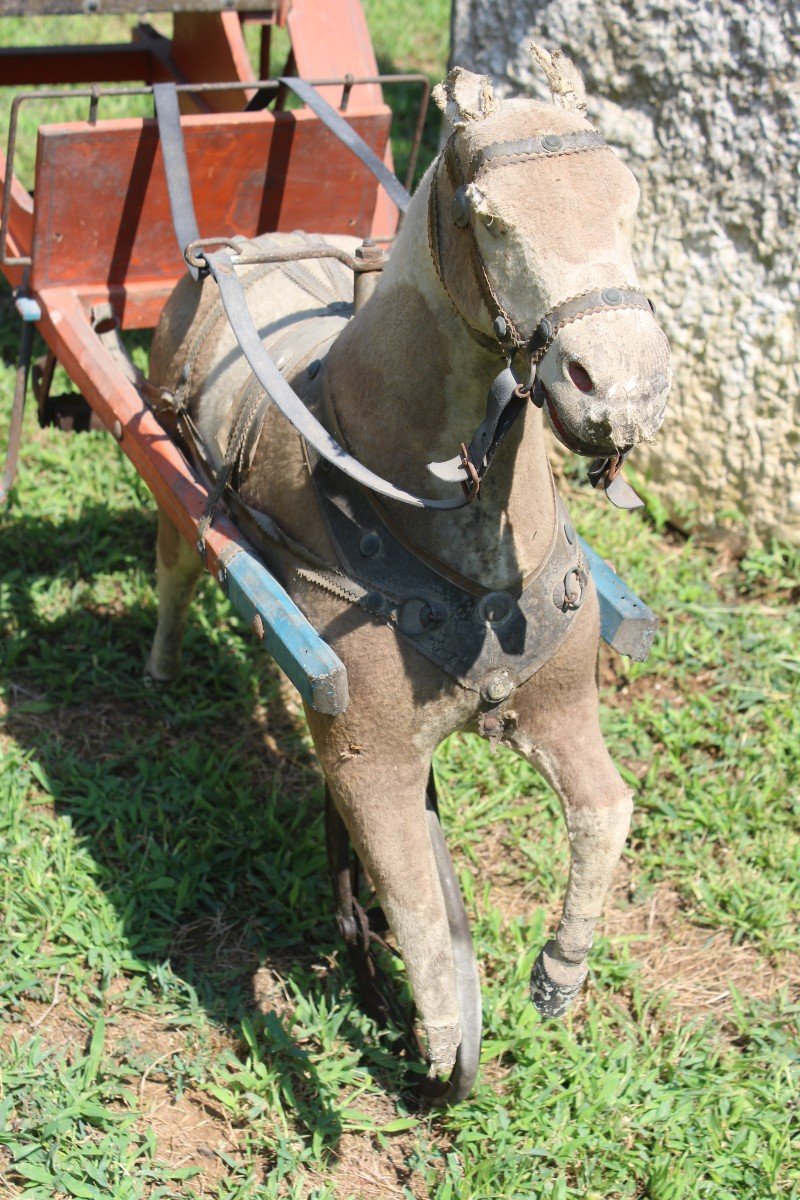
580, 376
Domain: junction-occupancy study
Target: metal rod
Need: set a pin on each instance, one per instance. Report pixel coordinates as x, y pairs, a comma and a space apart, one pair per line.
417, 142
195, 257
17, 411
9, 180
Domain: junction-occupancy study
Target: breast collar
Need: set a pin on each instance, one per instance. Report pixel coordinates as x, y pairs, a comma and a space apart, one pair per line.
490, 642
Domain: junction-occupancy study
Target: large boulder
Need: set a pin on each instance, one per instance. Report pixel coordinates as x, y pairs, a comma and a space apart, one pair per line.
702, 99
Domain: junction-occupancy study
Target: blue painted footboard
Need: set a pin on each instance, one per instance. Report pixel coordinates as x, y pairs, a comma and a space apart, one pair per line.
627, 624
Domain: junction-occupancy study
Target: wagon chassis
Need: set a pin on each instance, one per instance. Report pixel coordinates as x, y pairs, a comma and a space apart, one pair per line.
80, 286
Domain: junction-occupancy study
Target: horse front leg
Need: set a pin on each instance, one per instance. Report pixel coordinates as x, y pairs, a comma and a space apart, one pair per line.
378, 784
178, 568
567, 748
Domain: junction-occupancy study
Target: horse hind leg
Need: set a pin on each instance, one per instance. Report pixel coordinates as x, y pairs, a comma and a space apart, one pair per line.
178, 568
572, 756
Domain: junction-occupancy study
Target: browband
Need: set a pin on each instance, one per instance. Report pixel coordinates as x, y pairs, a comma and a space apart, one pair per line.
546, 145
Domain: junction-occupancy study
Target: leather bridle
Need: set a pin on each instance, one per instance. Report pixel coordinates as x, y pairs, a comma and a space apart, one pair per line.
507, 338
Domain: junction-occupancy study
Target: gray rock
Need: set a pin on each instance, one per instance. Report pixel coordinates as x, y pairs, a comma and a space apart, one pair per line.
702, 99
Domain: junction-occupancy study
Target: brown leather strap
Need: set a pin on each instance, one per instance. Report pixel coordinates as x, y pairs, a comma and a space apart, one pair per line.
546, 145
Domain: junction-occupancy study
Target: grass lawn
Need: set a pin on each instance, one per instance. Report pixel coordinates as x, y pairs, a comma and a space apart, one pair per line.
176, 1019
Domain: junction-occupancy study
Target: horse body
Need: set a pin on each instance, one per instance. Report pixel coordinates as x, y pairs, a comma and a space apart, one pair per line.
405, 381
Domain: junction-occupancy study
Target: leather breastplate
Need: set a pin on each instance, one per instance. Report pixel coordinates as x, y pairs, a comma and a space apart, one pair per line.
489, 643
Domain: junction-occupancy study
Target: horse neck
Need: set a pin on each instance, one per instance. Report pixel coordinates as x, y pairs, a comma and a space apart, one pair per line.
408, 384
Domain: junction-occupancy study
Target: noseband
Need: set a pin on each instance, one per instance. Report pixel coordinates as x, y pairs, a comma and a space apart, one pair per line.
506, 395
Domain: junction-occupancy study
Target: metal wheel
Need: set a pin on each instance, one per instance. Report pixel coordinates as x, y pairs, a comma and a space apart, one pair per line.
365, 929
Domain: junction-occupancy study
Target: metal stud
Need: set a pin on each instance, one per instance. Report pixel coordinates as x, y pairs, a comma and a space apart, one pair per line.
313, 368
552, 143
611, 296
370, 544
495, 608
500, 327
374, 602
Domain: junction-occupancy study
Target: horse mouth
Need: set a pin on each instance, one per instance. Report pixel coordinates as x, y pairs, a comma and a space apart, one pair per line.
568, 439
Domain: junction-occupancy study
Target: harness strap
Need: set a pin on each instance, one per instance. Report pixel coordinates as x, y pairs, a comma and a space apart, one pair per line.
286, 399
184, 221
585, 305
348, 136
546, 145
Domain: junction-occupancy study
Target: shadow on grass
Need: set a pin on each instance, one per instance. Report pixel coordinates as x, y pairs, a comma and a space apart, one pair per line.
201, 805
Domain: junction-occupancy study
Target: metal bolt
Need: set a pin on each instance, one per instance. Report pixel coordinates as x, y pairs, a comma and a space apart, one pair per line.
370, 544
369, 251
257, 626
497, 686
117, 431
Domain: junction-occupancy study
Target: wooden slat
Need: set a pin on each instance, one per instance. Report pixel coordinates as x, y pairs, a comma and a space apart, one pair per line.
330, 40
102, 212
312, 666
210, 48
32, 66
80, 8
316, 671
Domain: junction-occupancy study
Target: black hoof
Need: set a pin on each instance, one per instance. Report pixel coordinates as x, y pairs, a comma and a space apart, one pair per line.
553, 996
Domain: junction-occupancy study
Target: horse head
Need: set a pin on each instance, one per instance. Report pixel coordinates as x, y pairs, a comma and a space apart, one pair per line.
542, 210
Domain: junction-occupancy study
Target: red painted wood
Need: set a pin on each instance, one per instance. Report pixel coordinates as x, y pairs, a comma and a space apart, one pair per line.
210, 48
332, 39
102, 212
20, 220
36, 65
161, 465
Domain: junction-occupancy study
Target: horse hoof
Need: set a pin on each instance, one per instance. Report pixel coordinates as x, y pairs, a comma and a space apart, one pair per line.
156, 682
555, 982
443, 1043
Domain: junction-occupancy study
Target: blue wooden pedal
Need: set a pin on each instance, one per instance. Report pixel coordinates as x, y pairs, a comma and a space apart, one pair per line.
318, 674
626, 623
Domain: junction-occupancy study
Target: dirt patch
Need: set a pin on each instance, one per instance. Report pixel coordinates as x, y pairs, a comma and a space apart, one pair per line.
695, 967
364, 1167
189, 1132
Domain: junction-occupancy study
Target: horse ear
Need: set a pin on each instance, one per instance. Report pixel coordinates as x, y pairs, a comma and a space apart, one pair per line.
566, 85
465, 97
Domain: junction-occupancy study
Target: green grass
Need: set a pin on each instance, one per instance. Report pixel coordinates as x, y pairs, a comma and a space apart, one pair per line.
176, 1018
